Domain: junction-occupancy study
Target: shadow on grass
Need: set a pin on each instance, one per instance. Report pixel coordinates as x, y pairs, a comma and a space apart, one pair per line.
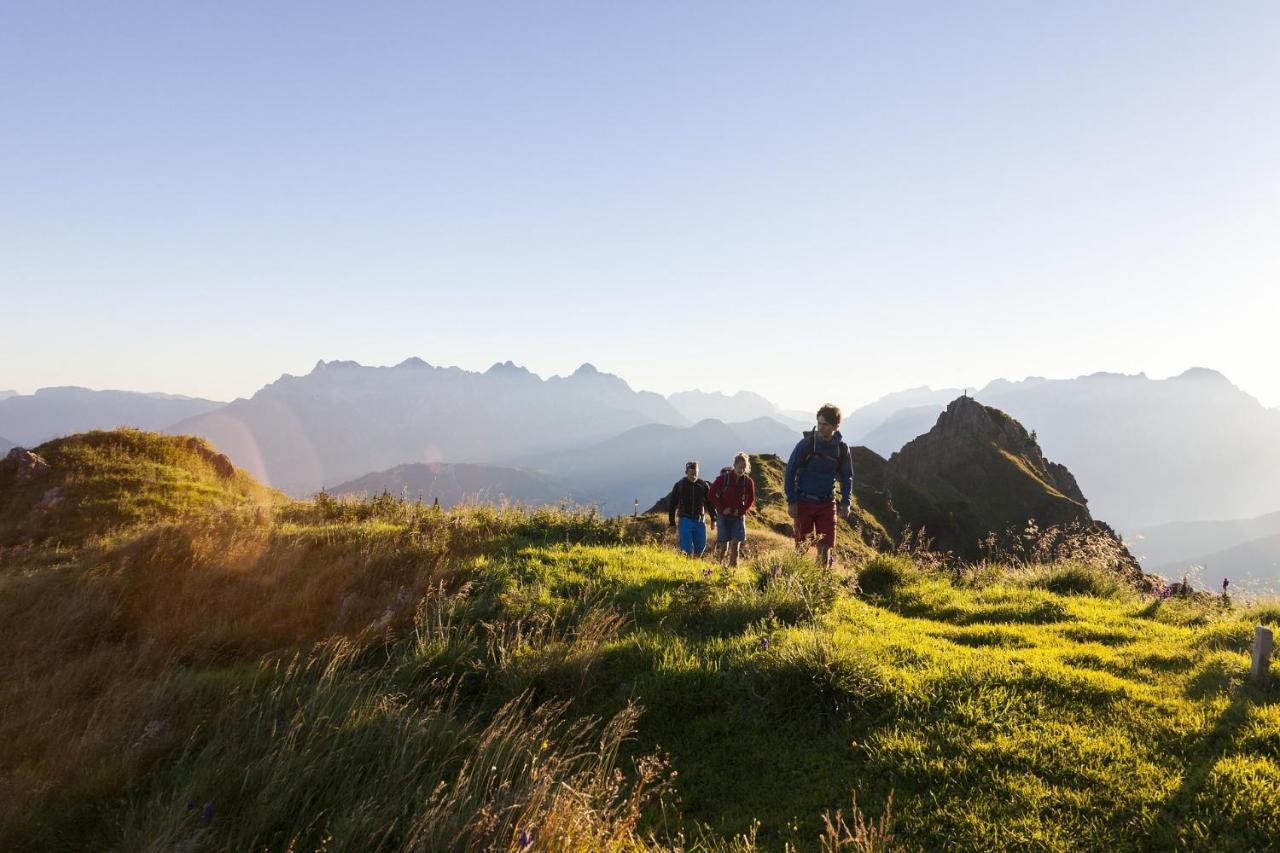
1223, 830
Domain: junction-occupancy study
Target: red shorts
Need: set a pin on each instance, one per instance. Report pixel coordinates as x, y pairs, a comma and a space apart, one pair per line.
816, 516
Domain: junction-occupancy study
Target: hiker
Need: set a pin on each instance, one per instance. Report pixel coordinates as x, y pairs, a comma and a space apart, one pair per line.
720, 540
816, 463
689, 499
733, 494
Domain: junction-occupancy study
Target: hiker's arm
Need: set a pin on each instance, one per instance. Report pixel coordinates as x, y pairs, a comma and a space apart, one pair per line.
709, 506
846, 478
671, 505
751, 496
789, 476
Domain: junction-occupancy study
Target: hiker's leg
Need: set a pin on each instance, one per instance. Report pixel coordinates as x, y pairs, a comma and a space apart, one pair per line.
686, 535
825, 525
722, 538
699, 537
733, 552
804, 525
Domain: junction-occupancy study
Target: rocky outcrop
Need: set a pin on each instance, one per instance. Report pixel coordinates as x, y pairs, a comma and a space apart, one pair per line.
978, 481
24, 465
218, 461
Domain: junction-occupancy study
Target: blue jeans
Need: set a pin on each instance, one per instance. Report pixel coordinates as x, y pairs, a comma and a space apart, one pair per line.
693, 536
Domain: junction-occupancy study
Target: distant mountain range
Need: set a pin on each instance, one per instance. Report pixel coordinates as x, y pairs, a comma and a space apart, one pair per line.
4, 395
461, 483
1252, 566
1247, 551
647, 460
6, 445
740, 407
1145, 451
343, 420
31, 419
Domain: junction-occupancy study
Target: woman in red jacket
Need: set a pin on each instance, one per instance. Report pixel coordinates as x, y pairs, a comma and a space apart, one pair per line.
732, 494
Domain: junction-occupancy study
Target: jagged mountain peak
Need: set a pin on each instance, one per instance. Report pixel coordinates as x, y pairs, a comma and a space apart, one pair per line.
412, 362
967, 420
976, 471
336, 364
507, 368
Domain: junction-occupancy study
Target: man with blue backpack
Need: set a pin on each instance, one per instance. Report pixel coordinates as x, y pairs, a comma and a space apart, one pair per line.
817, 462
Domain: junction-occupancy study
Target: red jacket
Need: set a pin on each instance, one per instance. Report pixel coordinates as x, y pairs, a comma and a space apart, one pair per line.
729, 492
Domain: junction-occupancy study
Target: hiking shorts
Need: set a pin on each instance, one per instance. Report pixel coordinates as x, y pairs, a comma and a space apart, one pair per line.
693, 536
731, 528
819, 517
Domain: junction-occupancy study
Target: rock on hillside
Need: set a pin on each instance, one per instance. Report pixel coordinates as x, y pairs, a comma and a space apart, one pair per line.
72, 488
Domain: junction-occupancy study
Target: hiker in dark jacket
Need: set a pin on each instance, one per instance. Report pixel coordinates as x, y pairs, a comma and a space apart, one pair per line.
733, 494
689, 499
817, 462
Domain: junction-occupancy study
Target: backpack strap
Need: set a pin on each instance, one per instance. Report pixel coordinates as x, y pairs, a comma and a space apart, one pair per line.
813, 449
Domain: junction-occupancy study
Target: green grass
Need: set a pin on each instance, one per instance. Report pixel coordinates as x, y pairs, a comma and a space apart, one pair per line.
457, 679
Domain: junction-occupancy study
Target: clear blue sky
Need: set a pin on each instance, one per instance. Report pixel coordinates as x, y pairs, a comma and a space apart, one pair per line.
808, 200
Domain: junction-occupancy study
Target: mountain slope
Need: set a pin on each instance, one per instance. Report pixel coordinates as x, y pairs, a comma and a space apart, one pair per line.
1183, 541
742, 406
6, 445
453, 484
361, 676
344, 420
1252, 566
859, 424
30, 419
644, 462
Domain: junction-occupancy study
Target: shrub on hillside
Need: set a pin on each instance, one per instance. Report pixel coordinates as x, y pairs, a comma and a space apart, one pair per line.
1032, 544
884, 573
1073, 577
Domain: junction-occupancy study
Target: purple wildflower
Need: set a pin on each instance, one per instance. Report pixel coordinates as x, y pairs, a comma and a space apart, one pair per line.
706, 573
525, 841
764, 644
206, 814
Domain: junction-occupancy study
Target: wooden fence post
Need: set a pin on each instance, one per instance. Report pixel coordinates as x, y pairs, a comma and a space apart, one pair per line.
1262, 642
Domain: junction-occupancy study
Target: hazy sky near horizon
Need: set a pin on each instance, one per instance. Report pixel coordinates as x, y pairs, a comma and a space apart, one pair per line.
827, 201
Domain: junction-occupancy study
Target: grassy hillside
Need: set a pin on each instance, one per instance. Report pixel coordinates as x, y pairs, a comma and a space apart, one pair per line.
380, 675
104, 480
